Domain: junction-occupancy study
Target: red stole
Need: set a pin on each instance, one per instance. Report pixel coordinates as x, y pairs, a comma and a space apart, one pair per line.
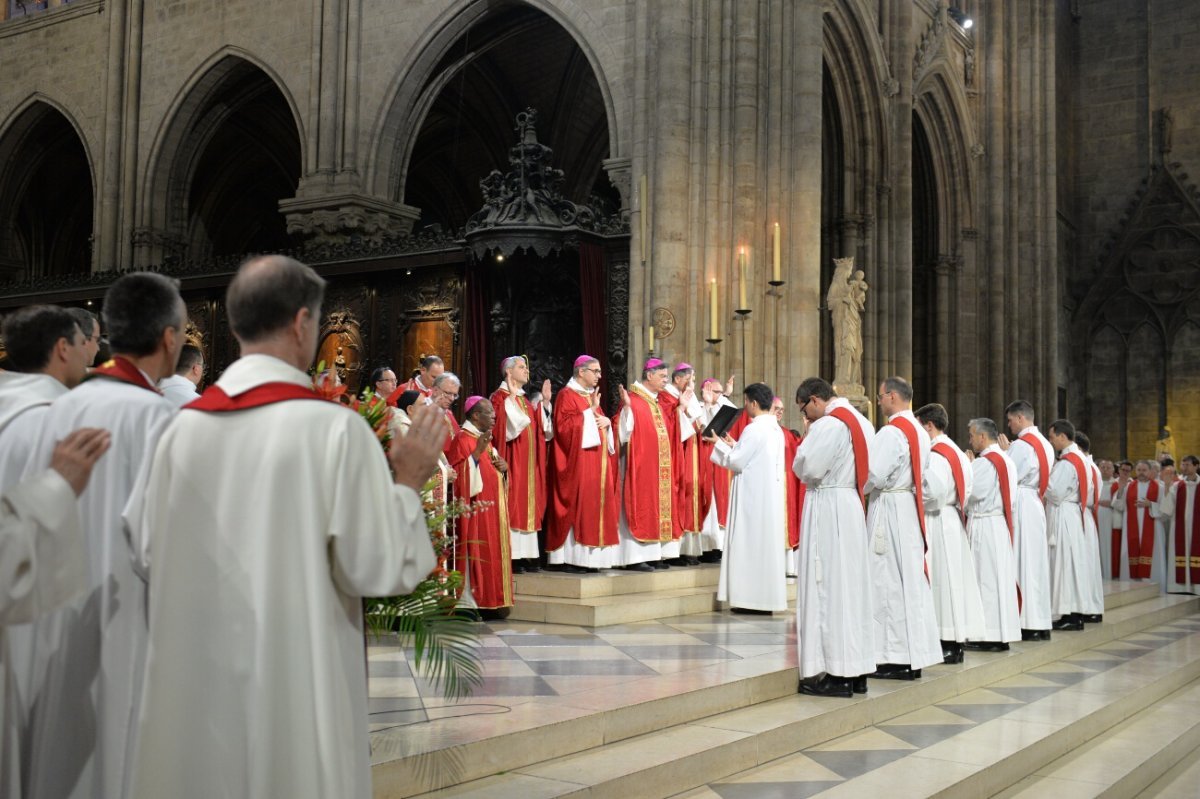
859, 444
1076, 460
215, 400
997, 461
583, 497
1116, 535
1140, 535
1043, 462
905, 426
1184, 558
649, 489
484, 534
960, 481
122, 369
526, 459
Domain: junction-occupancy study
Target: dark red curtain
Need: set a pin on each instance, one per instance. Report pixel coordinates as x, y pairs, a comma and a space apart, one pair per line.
593, 296
478, 330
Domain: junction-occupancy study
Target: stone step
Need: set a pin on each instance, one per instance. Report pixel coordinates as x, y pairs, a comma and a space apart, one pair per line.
1129, 758
775, 722
1177, 783
613, 582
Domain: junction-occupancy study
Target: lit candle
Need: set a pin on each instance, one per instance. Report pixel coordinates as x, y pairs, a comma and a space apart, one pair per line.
775, 269
644, 214
741, 269
650, 337
712, 302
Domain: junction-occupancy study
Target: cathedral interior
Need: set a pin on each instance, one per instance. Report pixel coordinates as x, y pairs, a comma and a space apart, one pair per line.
478, 178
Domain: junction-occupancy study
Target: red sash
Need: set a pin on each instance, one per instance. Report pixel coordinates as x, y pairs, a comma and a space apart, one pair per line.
997, 461
1043, 462
215, 400
914, 455
859, 443
1081, 475
1183, 558
1139, 535
960, 483
1116, 535
120, 368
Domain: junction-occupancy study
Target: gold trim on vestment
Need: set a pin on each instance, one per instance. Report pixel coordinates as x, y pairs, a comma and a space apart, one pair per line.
665, 486
532, 481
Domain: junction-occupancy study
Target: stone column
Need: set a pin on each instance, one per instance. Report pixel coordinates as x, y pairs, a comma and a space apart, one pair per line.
106, 252
131, 117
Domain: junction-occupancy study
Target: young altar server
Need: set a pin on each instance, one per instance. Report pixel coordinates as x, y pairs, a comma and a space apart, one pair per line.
1066, 507
1032, 456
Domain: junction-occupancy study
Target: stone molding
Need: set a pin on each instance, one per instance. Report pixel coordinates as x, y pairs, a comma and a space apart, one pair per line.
337, 219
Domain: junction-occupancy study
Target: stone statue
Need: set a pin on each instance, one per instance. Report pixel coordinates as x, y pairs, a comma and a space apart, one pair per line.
847, 298
1165, 446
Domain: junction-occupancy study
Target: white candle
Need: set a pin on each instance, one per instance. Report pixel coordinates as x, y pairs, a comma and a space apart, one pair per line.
775, 271
643, 201
742, 279
712, 299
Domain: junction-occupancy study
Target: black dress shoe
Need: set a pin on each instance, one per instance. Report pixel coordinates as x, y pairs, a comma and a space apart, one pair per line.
573, 569
859, 684
692, 561
711, 556
677, 562
639, 567
750, 612
986, 646
518, 567
826, 685
660, 565
1093, 618
895, 671
1068, 622
532, 565
1035, 635
953, 656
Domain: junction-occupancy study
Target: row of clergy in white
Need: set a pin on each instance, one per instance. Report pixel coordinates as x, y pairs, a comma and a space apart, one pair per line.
191, 626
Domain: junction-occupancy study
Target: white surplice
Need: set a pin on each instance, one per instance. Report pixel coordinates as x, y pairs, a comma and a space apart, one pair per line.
1070, 573
261, 530
993, 549
1095, 569
42, 566
1162, 570
24, 399
93, 649
1033, 554
632, 551
178, 390
712, 534
1106, 522
833, 586
753, 569
906, 630
956, 601
572, 552
1169, 508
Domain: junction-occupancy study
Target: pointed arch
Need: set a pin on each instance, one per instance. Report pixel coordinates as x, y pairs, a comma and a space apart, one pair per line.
47, 191
941, 106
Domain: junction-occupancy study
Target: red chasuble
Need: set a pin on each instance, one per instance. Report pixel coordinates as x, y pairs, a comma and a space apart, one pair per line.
1043, 462
1076, 460
649, 490
1140, 533
960, 482
483, 535
795, 488
681, 487
1185, 560
583, 482
526, 459
858, 443
122, 369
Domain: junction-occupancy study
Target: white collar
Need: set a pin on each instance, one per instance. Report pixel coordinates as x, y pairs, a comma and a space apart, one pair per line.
251, 371
638, 384
575, 385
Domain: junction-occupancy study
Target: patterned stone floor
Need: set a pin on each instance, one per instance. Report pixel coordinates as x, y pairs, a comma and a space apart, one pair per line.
526, 661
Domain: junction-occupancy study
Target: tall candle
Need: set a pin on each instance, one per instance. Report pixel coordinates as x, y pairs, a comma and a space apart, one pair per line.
712, 302
775, 272
644, 214
650, 338
742, 278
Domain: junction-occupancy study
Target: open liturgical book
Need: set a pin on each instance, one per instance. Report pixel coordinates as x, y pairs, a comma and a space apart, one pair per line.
721, 423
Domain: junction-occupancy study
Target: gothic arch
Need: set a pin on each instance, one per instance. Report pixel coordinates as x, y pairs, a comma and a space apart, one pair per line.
235, 98
431, 67
47, 191
941, 106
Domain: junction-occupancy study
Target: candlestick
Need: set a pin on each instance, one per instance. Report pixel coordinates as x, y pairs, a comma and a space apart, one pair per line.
642, 198
742, 277
650, 338
775, 272
713, 329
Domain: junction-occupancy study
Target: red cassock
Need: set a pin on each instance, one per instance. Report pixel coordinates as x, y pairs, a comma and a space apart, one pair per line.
694, 495
452, 434
682, 488
583, 482
649, 490
526, 459
483, 535
795, 488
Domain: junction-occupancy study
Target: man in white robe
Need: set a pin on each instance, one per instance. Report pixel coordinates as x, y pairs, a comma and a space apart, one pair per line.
712, 535
753, 569
1033, 458
180, 388
94, 648
1120, 544
906, 629
1183, 529
1163, 571
991, 518
1095, 577
42, 566
834, 635
48, 354
260, 545
1066, 505
947, 486
1105, 521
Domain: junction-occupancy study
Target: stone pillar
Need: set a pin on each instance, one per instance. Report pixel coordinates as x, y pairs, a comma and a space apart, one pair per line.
107, 227
131, 116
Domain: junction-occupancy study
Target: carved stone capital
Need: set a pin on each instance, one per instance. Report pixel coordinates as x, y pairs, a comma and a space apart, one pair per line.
620, 174
158, 244
342, 218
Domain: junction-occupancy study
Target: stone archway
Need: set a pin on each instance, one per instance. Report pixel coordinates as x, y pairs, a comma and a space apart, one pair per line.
46, 195
231, 150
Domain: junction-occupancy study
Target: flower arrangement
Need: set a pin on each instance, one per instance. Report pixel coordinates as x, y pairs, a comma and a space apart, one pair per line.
444, 641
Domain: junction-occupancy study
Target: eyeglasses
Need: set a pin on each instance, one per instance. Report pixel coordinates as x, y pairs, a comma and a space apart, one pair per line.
804, 404
593, 370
